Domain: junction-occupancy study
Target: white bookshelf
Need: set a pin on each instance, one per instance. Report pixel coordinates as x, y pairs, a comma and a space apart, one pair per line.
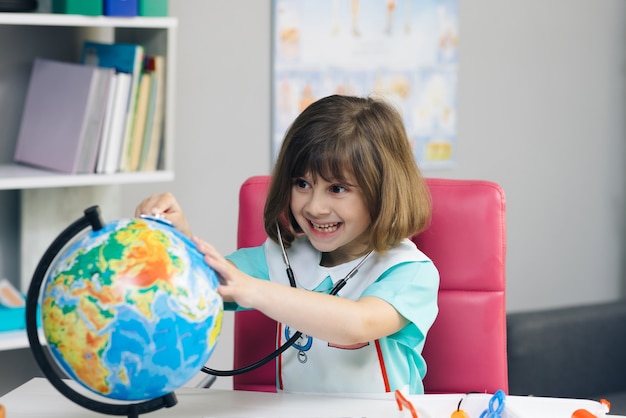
157, 34
49, 201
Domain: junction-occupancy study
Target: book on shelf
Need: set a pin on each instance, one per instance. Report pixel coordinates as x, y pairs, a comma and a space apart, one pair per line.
153, 135
106, 125
130, 114
63, 114
113, 129
141, 113
124, 58
147, 131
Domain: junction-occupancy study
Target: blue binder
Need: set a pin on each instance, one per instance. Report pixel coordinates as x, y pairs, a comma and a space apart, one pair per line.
121, 7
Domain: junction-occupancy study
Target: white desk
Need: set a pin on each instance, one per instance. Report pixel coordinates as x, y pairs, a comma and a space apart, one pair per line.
37, 398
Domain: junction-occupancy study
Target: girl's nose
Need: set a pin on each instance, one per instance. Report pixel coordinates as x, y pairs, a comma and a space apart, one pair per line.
318, 204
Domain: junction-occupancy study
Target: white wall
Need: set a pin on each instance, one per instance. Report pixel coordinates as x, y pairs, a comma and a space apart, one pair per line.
541, 111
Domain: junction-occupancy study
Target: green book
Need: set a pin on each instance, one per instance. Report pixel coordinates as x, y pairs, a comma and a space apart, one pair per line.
152, 7
78, 7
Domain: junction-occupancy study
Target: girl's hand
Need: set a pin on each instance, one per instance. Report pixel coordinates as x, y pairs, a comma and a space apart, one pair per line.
166, 205
235, 285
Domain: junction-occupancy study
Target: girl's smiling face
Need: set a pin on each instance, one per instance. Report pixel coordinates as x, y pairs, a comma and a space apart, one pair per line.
333, 215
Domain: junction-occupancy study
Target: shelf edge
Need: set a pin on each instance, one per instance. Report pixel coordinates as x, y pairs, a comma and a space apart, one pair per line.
40, 179
57, 19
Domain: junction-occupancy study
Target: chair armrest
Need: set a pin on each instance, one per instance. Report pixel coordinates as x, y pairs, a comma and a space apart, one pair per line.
576, 352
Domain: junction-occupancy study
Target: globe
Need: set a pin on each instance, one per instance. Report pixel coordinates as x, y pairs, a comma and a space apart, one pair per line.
131, 310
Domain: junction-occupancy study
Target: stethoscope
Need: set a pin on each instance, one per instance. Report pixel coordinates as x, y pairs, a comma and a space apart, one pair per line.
296, 336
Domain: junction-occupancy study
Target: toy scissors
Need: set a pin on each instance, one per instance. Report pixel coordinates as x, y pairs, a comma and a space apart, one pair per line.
496, 405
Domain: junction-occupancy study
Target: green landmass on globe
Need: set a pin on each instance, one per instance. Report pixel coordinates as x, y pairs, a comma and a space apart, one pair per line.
131, 311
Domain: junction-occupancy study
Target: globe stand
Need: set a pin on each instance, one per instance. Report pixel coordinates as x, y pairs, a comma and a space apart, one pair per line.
93, 219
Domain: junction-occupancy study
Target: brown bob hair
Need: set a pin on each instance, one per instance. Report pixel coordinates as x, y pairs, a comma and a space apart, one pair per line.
352, 139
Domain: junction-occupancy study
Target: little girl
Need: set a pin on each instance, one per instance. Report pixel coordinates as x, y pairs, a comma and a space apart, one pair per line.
345, 196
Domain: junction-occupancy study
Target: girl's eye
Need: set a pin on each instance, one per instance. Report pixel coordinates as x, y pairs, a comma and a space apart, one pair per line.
302, 184
337, 189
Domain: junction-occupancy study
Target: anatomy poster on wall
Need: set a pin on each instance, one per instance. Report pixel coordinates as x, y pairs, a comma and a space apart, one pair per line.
403, 50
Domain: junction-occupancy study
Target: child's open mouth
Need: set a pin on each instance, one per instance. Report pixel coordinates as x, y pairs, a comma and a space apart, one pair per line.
325, 227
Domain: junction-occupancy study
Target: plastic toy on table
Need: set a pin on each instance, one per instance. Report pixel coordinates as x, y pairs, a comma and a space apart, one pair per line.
496, 405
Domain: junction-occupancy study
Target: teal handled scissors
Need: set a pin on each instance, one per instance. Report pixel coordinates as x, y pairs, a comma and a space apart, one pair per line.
496, 405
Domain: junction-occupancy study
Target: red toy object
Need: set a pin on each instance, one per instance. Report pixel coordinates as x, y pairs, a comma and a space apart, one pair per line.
583, 413
402, 401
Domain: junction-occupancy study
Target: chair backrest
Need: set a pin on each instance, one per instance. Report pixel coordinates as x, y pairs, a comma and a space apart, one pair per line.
465, 349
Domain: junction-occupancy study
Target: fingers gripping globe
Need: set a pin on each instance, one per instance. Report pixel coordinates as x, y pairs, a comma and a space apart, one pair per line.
129, 309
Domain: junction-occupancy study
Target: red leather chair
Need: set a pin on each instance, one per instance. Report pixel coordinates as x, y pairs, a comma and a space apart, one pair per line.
465, 349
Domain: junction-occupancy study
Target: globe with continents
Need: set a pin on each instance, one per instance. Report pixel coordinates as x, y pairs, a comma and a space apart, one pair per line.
131, 311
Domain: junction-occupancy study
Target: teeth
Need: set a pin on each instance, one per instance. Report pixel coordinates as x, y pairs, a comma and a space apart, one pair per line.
325, 228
